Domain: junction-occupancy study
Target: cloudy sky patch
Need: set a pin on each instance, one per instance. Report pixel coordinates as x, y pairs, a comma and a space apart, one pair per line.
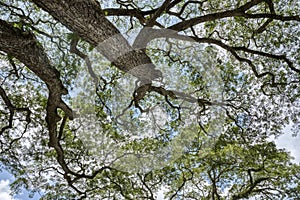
5, 190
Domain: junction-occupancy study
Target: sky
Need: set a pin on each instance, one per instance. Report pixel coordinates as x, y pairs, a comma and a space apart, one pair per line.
286, 141
5, 192
290, 143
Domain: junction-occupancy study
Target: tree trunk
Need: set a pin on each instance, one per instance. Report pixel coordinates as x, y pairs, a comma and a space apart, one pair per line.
86, 18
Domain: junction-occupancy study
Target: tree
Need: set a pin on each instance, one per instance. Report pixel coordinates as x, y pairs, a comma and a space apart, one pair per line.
188, 104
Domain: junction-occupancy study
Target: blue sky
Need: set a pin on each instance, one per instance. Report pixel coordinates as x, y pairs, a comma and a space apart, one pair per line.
5, 180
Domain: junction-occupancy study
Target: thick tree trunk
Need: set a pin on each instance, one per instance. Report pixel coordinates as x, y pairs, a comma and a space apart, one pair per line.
24, 46
85, 18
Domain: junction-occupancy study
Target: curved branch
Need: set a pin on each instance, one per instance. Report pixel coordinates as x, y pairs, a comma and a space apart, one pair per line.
24, 46
214, 16
158, 12
161, 33
247, 192
271, 16
238, 12
12, 109
86, 19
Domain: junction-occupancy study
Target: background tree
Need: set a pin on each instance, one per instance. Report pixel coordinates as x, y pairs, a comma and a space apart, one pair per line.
223, 75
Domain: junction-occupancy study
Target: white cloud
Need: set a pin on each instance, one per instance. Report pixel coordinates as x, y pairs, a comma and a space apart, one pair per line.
5, 190
160, 193
290, 143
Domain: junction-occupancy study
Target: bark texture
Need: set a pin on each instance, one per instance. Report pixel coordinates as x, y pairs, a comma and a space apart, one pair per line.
24, 46
87, 20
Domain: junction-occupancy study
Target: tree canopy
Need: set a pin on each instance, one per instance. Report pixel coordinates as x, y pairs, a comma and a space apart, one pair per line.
122, 99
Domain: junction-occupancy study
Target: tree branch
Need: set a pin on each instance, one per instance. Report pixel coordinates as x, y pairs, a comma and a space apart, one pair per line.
86, 19
214, 16
158, 12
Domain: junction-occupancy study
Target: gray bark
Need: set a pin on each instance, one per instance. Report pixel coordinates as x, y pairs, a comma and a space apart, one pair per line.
87, 20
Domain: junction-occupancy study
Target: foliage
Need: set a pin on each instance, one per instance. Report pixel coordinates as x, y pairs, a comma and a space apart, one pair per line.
122, 99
